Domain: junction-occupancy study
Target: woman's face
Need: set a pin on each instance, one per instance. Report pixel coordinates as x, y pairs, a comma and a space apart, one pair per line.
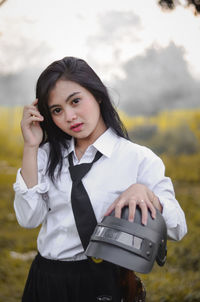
76, 112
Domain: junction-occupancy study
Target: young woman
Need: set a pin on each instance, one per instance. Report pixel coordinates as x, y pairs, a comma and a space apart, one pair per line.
73, 116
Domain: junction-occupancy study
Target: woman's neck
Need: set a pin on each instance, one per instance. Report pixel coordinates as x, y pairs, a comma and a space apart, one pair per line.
81, 145
79, 152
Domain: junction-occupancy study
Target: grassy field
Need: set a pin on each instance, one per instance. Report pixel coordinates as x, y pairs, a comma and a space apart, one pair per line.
177, 281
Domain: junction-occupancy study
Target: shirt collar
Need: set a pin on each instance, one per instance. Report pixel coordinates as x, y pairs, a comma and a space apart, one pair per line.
105, 143
71, 147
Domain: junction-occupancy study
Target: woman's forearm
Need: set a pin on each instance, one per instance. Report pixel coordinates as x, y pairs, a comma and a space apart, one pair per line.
29, 170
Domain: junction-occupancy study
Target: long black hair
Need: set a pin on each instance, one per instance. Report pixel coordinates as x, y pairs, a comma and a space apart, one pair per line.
78, 71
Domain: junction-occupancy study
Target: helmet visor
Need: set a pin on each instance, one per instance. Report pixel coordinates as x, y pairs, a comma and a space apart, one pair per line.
119, 236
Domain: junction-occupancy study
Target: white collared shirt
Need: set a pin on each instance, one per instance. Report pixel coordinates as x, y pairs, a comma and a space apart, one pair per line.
123, 163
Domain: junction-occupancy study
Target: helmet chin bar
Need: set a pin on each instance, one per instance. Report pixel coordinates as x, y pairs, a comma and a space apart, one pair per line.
130, 244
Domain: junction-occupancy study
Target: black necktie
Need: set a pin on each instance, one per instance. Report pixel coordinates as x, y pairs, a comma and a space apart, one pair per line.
83, 212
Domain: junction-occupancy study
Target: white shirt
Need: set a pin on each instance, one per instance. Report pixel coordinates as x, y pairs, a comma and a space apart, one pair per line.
123, 163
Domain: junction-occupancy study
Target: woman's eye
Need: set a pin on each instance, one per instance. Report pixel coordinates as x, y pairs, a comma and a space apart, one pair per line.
56, 111
76, 101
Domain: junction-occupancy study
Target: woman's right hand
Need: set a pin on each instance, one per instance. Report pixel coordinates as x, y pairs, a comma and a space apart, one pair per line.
30, 125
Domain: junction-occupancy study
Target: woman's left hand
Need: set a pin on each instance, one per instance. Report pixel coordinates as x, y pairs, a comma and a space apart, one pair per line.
136, 194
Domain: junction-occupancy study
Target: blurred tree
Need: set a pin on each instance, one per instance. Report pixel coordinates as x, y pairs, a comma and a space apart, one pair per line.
2, 1
172, 141
171, 4
195, 125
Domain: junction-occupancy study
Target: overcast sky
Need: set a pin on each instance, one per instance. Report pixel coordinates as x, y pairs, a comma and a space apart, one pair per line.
115, 37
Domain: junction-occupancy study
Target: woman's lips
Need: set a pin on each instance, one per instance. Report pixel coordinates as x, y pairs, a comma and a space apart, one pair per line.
76, 127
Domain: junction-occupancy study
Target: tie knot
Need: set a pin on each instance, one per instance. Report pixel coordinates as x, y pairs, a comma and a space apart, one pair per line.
79, 171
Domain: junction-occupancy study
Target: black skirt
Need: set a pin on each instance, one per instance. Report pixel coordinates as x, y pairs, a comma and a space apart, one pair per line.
74, 281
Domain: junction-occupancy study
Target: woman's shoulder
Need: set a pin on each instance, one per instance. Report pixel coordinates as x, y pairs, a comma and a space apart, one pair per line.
131, 147
136, 153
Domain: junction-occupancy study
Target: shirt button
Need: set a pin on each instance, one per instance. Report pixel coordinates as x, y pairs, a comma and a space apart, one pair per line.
45, 196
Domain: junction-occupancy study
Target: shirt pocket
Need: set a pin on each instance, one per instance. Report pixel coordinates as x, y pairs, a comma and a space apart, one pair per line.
101, 201
60, 192
63, 183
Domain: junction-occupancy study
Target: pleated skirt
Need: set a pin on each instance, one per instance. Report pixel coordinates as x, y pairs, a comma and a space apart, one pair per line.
74, 281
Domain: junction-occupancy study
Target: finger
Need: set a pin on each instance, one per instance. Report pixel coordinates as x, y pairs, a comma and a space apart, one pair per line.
32, 111
31, 119
32, 106
34, 118
34, 103
110, 209
152, 204
152, 209
143, 207
131, 214
112, 206
149, 203
118, 208
29, 109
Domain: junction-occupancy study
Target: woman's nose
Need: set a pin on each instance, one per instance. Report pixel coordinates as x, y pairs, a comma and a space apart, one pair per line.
70, 115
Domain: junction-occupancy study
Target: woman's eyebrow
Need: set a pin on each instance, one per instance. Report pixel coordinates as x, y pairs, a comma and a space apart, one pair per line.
71, 95
68, 98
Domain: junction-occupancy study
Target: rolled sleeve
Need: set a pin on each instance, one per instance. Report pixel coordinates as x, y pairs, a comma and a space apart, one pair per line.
153, 176
174, 218
30, 204
21, 188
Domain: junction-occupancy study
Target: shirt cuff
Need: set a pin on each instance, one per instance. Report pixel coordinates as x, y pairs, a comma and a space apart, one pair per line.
170, 214
21, 188
175, 220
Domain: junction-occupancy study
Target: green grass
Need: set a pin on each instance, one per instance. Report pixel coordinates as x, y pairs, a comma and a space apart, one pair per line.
177, 281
